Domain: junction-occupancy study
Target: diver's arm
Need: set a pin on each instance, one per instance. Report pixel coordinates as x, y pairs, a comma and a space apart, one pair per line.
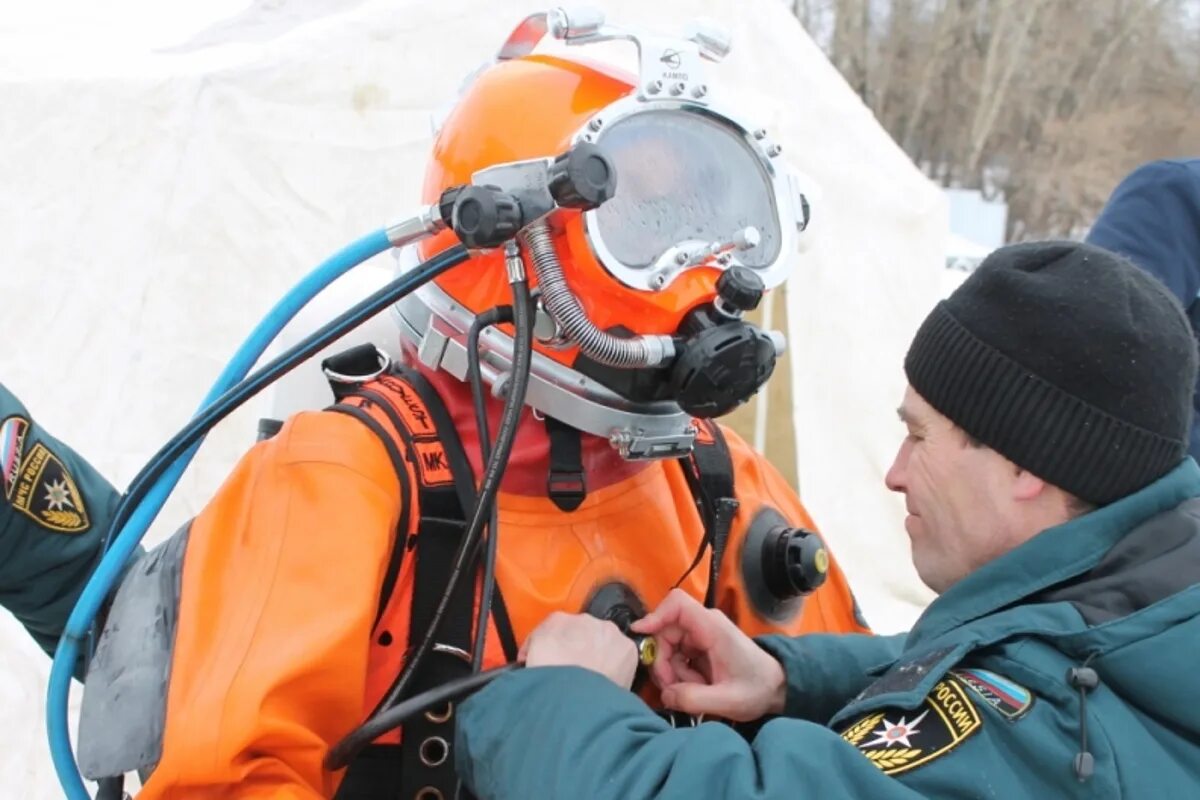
280, 589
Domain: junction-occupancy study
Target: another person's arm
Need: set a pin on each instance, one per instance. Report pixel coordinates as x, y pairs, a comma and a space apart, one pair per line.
556, 731
1151, 219
807, 677
54, 510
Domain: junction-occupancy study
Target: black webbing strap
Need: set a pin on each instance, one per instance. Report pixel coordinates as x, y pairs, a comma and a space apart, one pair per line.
446, 489
460, 466
566, 484
403, 379
426, 761
709, 473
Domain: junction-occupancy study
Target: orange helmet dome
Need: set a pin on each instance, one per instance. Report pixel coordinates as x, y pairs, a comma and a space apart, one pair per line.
534, 107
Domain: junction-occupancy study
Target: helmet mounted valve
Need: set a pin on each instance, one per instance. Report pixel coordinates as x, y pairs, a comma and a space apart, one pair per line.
503, 200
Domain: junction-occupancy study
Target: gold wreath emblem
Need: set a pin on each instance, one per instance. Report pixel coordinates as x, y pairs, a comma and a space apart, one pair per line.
859, 730
891, 759
67, 520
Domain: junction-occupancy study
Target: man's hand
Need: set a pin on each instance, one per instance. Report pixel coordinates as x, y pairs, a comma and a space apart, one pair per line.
706, 665
581, 640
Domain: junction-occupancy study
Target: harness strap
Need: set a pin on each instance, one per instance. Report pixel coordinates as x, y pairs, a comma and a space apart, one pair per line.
445, 492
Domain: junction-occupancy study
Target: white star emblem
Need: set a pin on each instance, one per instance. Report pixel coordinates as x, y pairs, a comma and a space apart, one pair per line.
891, 733
57, 495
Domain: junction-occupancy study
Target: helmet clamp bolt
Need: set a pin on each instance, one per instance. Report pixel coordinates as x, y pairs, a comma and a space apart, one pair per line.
760, 134
595, 124
654, 87
659, 280
677, 88
699, 91
681, 257
774, 150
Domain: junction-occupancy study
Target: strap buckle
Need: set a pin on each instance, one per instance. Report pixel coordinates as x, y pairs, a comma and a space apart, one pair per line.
567, 489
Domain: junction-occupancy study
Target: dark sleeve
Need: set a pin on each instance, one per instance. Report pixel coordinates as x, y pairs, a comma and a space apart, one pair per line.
54, 510
565, 732
560, 733
825, 670
1153, 219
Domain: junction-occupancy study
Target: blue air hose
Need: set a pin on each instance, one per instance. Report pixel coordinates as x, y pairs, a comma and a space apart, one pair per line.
114, 561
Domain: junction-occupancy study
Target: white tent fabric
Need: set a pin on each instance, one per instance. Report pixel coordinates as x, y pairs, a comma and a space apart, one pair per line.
168, 170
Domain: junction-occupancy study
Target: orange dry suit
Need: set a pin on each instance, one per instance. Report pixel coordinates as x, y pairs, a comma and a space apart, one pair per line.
299, 577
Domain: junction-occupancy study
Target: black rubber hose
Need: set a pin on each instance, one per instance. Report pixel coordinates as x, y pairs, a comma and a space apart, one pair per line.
272, 371
400, 713
484, 320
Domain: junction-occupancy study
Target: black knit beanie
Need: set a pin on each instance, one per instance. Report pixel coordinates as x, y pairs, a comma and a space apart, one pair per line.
1067, 360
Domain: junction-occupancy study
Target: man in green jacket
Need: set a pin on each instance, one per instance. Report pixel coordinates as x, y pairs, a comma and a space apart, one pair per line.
1053, 509
54, 509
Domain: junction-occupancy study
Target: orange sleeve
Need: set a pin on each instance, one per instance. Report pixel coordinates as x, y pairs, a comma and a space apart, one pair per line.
279, 592
831, 608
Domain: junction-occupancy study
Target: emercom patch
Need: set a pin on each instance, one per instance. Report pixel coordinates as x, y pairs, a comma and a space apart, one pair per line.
12, 447
44, 491
1012, 700
897, 741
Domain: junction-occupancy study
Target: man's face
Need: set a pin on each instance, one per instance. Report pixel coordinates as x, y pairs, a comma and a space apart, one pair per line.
958, 495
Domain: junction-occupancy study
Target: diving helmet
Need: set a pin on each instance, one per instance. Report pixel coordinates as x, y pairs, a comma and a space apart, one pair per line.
641, 291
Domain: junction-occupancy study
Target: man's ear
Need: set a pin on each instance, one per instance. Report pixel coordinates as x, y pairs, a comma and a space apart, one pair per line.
1027, 486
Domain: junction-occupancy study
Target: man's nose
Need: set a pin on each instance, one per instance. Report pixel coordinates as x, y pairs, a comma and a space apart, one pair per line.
894, 479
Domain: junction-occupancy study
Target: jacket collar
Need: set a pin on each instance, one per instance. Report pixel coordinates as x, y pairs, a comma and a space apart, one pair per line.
1054, 555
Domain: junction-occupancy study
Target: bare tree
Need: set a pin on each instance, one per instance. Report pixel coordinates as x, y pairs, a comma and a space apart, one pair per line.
1054, 100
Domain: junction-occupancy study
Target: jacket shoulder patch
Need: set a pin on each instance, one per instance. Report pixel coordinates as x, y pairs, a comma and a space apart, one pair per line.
1011, 699
897, 741
45, 492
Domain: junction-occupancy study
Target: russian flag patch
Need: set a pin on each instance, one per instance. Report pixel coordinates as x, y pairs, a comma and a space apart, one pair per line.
1011, 699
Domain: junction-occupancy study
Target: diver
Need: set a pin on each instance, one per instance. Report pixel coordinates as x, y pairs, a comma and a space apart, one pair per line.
335, 572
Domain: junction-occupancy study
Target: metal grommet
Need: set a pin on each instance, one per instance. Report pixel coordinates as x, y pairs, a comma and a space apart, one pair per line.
442, 715
428, 793
434, 751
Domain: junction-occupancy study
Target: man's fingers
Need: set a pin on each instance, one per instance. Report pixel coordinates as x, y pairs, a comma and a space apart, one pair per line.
681, 618
699, 698
669, 611
684, 672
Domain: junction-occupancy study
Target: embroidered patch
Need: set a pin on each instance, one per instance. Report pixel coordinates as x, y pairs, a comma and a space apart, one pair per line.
897, 741
12, 447
1010, 699
46, 492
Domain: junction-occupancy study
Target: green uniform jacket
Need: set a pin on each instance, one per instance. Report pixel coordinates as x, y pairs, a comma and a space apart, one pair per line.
975, 702
54, 509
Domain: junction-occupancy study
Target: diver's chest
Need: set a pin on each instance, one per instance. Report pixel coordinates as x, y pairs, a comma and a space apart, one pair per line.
638, 545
